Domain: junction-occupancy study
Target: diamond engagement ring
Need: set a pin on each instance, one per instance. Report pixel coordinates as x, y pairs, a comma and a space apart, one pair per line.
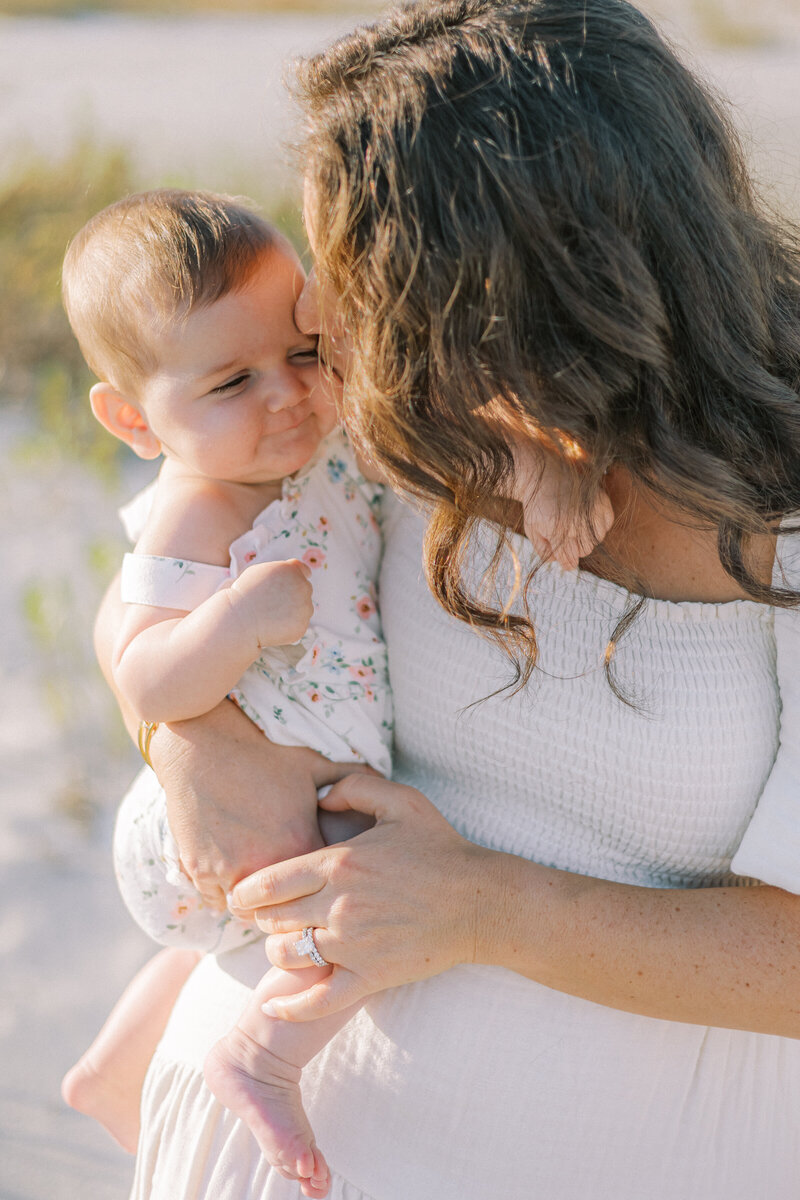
308, 946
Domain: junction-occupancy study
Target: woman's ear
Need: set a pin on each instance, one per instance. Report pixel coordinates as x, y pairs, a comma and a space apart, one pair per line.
124, 420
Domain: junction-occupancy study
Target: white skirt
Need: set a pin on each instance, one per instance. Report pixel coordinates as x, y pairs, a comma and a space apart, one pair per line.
479, 1083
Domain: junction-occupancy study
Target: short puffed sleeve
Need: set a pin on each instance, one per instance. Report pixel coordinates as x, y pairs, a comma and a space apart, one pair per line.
770, 848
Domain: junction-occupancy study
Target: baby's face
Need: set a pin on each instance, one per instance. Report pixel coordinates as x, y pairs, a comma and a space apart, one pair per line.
238, 394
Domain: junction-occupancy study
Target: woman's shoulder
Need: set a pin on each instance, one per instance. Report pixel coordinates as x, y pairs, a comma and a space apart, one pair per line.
786, 568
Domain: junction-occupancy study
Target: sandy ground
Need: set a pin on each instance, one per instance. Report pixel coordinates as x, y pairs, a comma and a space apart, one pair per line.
201, 97
204, 97
66, 944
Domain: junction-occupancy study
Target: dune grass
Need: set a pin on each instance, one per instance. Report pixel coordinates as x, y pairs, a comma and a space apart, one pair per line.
41, 207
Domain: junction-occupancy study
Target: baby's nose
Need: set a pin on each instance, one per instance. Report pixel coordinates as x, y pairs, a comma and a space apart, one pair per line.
284, 392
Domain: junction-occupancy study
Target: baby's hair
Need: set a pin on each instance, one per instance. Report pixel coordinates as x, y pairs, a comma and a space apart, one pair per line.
149, 260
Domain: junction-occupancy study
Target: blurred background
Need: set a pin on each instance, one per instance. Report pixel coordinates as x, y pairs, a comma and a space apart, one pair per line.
98, 99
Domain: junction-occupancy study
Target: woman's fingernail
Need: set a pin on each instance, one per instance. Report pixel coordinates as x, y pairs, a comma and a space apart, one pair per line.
229, 899
269, 1009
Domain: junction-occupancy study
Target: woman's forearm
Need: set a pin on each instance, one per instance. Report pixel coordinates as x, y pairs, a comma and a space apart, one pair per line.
411, 898
710, 956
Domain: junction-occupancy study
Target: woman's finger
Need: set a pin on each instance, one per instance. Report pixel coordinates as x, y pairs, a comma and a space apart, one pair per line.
288, 918
374, 795
282, 949
279, 884
339, 991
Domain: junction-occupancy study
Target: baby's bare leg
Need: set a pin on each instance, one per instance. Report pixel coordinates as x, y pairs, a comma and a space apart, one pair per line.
106, 1082
255, 1071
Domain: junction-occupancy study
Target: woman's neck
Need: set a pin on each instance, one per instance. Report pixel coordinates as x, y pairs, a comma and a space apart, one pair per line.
664, 555
652, 548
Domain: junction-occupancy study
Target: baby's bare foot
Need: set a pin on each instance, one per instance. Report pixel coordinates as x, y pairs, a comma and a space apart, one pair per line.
107, 1100
264, 1091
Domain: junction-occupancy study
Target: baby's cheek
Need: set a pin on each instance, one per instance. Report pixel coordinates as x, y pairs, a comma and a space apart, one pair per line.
328, 402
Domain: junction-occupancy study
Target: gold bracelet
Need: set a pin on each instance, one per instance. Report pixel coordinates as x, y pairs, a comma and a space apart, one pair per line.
146, 731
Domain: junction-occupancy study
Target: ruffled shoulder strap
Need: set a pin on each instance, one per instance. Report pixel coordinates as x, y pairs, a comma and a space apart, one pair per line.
169, 582
770, 848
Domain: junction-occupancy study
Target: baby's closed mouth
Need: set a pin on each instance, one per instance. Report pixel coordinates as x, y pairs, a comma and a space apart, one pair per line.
293, 418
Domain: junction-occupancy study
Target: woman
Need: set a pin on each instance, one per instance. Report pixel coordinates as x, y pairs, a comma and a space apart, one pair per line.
533, 223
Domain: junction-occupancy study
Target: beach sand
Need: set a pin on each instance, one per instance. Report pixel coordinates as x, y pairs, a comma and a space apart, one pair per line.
67, 945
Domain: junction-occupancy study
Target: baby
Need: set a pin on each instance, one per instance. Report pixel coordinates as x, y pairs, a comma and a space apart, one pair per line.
254, 578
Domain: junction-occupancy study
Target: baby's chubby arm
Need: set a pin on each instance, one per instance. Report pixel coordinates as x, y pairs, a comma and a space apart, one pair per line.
171, 665
235, 800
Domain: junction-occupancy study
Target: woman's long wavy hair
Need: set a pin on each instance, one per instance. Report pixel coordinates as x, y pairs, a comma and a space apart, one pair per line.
532, 208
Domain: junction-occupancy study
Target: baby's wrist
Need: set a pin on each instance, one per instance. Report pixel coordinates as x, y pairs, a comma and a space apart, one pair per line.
248, 611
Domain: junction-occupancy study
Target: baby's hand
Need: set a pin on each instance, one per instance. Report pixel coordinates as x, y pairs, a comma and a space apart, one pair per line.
543, 486
275, 599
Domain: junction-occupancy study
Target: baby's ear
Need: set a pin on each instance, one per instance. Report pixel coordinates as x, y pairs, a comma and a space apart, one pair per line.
124, 420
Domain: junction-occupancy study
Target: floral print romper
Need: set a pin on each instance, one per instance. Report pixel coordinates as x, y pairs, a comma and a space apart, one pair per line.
329, 692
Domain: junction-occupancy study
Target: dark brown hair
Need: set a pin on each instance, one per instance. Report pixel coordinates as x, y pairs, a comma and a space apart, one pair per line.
148, 259
535, 205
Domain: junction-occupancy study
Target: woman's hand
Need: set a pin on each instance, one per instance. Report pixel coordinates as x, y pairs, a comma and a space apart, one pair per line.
399, 903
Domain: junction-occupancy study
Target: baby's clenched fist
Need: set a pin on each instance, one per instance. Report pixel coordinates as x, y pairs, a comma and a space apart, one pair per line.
276, 600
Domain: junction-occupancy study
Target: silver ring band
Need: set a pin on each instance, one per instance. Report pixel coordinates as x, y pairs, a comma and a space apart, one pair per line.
308, 946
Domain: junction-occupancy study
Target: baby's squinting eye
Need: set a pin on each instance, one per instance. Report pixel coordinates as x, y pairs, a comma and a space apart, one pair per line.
229, 385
